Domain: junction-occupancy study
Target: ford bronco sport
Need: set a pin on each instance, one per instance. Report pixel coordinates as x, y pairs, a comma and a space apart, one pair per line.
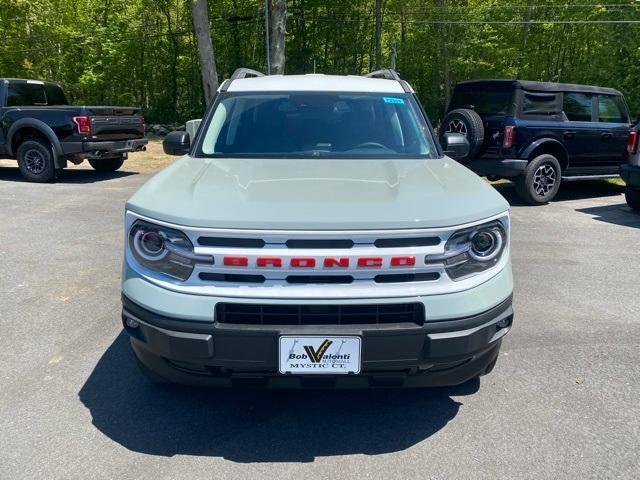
314, 234
539, 133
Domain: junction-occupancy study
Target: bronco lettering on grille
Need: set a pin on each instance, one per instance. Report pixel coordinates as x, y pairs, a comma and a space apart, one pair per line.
327, 262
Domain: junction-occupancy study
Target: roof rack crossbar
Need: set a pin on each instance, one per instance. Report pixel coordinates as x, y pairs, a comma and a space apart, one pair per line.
238, 74
387, 73
245, 72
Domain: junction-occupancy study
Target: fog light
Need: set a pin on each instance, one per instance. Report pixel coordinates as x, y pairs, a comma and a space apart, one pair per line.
504, 323
131, 323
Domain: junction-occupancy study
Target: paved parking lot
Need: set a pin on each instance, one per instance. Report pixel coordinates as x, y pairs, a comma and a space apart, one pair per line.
563, 401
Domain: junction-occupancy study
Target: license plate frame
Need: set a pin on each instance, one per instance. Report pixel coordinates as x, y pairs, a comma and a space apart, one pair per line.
312, 355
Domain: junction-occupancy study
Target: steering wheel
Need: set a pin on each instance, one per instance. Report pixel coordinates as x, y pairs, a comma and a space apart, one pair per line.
369, 145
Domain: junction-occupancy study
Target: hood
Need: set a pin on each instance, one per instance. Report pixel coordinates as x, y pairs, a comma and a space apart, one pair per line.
316, 194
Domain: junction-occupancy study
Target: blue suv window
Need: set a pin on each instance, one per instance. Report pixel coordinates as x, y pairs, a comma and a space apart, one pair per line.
540, 104
610, 110
577, 107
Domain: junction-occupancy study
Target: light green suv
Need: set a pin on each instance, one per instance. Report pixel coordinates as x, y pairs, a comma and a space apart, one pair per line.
313, 233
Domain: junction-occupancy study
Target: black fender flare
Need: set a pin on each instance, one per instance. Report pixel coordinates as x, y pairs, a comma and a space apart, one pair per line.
41, 127
527, 152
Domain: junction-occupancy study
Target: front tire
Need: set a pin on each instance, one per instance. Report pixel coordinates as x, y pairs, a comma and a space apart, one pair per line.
107, 164
632, 195
35, 160
541, 181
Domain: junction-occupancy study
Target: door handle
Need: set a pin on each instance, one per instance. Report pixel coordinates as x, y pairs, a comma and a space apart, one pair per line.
607, 135
568, 135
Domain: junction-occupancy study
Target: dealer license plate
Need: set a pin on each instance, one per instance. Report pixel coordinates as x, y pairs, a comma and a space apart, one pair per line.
319, 355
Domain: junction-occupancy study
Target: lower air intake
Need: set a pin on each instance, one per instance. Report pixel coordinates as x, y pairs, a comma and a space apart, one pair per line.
269, 314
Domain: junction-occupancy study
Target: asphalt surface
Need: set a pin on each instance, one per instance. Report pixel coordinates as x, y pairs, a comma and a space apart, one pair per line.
563, 401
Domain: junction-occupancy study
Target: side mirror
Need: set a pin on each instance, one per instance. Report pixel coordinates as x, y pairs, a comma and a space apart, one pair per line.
176, 143
456, 146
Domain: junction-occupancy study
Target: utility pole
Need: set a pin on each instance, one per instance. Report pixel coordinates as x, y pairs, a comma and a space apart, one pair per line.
378, 32
394, 54
200, 16
266, 35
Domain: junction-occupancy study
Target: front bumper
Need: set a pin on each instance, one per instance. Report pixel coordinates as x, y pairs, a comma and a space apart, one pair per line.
443, 352
630, 174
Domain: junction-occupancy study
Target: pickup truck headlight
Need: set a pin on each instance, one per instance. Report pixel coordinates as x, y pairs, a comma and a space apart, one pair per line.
163, 250
474, 250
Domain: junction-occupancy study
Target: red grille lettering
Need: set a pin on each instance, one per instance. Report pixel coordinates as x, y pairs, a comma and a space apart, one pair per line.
303, 262
236, 261
269, 262
403, 261
331, 262
370, 262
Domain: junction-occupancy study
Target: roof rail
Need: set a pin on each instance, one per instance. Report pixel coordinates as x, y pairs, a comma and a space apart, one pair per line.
238, 74
387, 74
245, 72
390, 74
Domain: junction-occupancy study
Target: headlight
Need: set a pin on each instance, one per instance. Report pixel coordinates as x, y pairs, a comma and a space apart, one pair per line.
473, 250
163, 250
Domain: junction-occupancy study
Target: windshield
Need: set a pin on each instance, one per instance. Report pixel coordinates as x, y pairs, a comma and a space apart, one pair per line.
333, 125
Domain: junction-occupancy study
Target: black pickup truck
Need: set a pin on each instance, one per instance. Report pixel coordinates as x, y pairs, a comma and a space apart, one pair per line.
43, 132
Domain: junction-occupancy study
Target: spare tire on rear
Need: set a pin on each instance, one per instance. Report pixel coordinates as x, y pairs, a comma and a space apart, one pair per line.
468, 123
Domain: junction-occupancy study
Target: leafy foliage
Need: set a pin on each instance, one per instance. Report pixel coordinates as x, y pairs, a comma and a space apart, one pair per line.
143, 52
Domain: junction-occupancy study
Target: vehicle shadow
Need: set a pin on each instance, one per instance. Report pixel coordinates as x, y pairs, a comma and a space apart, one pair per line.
258, 425
568, 191
619, 214
72, 176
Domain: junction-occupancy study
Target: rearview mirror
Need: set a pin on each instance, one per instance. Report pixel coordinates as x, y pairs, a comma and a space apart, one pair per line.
176, 143
456, 146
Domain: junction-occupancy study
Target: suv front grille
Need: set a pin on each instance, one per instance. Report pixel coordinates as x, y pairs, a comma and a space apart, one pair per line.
269, 314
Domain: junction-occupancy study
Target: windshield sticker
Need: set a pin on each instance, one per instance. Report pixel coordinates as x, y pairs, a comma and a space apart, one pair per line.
399, 101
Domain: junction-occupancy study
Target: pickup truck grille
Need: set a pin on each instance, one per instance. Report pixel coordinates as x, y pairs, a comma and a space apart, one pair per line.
270, 314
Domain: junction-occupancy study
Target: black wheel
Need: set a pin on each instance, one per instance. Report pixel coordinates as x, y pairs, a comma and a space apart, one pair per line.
541, 181
107, 164
468, 123
632, 195
35, 159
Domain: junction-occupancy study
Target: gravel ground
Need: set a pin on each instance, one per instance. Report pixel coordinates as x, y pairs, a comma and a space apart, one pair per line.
561, 403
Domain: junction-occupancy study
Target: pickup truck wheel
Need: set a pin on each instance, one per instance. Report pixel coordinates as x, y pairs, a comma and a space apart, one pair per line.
541, 181
632, 195
107, 164
35, 159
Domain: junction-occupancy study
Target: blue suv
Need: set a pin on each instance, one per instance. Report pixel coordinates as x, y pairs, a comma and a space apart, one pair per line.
539, 134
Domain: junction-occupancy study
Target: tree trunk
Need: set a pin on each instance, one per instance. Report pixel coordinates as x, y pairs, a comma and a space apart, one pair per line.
446, 54
378, 34
277, 35
200, 17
